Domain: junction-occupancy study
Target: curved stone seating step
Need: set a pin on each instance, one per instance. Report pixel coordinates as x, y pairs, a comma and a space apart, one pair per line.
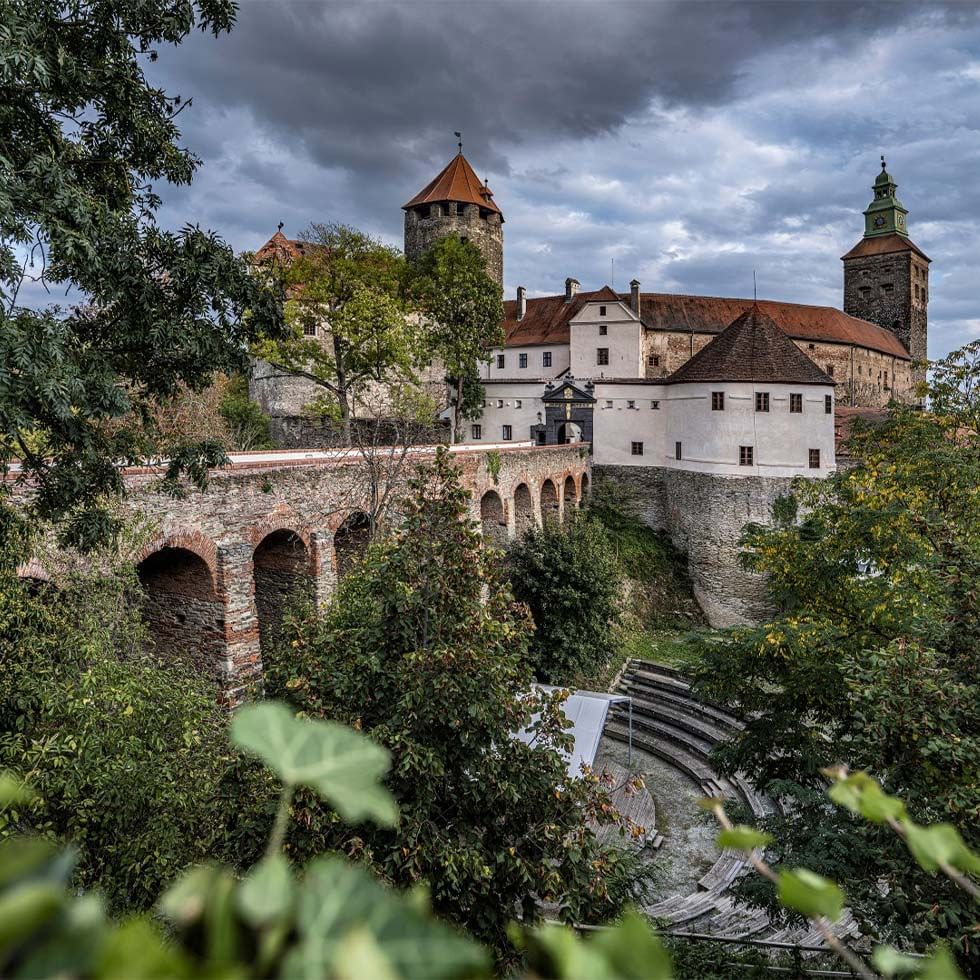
657, 677
637, 806
677, 715
723, 872
666, 731
681, 702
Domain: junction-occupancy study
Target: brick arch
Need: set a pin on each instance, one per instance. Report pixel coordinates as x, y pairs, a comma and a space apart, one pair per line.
183, 608
188, 540
283, 578
291, 523
33, 569
351, 537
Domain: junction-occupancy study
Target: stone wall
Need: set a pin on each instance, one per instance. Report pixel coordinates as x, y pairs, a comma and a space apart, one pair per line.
704, 515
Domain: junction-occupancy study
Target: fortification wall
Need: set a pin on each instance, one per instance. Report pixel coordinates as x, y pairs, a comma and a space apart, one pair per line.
703, 514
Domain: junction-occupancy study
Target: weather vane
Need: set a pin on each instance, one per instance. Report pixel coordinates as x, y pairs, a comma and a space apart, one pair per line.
282, 224
882, 161
459, 136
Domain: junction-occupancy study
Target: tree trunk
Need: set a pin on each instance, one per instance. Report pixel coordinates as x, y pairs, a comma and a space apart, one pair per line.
343, 396
457, 411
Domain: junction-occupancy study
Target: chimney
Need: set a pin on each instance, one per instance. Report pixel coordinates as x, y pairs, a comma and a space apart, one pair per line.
521, 302
571, 288
635, 296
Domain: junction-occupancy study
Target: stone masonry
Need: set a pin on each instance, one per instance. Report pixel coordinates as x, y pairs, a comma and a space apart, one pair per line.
703, 514
427, 223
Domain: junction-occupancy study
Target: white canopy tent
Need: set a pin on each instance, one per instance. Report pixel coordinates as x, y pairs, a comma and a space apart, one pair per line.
587, 711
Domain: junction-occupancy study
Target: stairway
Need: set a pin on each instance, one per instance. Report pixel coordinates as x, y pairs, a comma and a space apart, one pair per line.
672, 724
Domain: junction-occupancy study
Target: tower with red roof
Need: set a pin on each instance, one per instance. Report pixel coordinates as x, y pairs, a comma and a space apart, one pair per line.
456, 202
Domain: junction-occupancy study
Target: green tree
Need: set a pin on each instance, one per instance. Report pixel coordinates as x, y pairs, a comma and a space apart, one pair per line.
570, 579
425, 650
83, 137
350, 327
126, 753
873, 661
464, 310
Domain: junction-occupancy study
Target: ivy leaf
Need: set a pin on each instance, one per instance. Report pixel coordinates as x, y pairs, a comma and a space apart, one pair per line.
360, 956
860, 794
810, 894
266, 895
634, 950
742, 838
342, 765
136, 950
940, 844
940, 966
13, 790
338, 902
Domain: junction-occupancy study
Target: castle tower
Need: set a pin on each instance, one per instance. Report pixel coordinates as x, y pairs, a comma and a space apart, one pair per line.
456, 203
886, 275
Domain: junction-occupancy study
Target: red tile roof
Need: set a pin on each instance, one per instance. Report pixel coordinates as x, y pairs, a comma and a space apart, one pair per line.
883, 245
457, 182
546, 320
283, 248
752, 348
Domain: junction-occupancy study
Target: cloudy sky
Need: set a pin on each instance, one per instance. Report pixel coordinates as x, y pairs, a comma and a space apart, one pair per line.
691, 142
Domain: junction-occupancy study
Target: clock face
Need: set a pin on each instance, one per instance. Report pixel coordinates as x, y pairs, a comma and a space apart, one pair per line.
901, 222
879, 221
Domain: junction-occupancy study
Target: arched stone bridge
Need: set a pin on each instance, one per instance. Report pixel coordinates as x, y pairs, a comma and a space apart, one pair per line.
276, 525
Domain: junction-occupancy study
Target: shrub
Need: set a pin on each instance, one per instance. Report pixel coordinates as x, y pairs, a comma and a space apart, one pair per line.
247, 424
570, 580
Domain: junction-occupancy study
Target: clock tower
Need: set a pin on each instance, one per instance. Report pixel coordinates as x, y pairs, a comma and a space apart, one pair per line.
886, 275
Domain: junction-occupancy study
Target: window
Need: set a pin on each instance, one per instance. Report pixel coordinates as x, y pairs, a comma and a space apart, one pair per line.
602, 355
655, 404
677, 450
653, 360
603, 329
546, 359
608, 403
811, 346
631, 404
828, 404
745, 455
309, 329
796, 403
830, 370
500, 403
814, 459
602, 312
762, 401
522, 360
500, 362
717, 401
636, 448
518, 403
476, 431
505, 433
887, 287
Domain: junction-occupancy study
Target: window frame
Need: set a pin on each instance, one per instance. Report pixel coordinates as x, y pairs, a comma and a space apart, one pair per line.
654, 404
813, 459
746, 455
636, 448
603, 330
501, 362
546, 358
522, 361
476, 431
506, 433
717, 401
828, 404
602, 357
762, 401
796, 399
678, 450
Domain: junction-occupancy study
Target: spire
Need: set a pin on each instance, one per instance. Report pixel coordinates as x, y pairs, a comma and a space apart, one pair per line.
885, 215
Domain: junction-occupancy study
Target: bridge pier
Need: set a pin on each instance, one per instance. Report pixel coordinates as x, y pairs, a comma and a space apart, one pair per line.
241, 668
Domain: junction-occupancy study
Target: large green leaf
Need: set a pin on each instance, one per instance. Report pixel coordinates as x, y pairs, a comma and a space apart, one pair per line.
810, 894
266, 895
860, 794
342, 765
743, 838
338, 903
939, 845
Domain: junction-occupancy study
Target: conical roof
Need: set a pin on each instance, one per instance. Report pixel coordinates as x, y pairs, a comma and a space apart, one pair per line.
751, 349
456, 182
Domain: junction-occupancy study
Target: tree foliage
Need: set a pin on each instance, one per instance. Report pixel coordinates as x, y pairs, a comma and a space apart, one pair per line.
83, 137
350, 326
425, 650
873, 661
463, 306
570, 579
125, 753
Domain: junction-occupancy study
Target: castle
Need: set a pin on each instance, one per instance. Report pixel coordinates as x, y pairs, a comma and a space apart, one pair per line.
707, 407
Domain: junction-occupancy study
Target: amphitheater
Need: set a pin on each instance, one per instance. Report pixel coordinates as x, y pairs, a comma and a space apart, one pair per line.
673, 730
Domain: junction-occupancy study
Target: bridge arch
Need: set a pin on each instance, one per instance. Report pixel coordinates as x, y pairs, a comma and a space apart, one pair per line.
584, 487
182, 609
523, 510
569, 499
492, 519
549, 501
283, 575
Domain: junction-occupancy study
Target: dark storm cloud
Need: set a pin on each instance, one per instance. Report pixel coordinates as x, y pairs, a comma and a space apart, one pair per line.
690, 142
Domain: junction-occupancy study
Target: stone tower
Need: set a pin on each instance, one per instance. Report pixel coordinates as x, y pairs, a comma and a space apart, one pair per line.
456, 203
886, 275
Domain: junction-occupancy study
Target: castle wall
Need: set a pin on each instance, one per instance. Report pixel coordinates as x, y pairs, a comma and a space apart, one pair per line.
704, 514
